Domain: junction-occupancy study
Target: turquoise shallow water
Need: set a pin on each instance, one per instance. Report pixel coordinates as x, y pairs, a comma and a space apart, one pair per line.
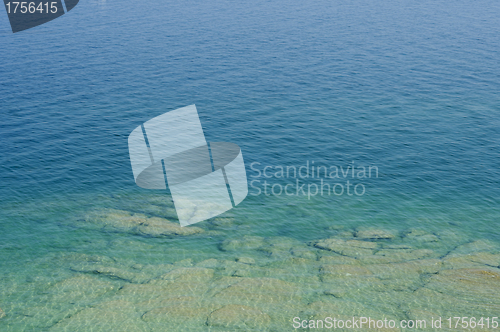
411, 88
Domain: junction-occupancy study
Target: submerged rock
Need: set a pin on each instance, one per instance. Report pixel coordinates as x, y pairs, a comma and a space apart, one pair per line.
427, 238
159, 227
275, 253
406, 269
40, 317
177, 301
338, 293
460, 262
226, 267
244, 273
245, 260
188, 262
452, 238
111, 272
247, 242
377, 259
475, 246
473, 284
197, 274
486, 258
181, 317
238, 317
162, 289
265, 291
297, 265
176, 304
421, 236
338, 259
143, 292
343, 309
106, 316
396, 246
336, 227
115, 219
415, 314
137, 223
345, 234
65, 258
124, 244
222, 222
154, 270
350, 248
282, 242
181, 282
328, 273
399, 255
412, 233
375, 234
352, 277
304, 253
361, 244
424, 301
470, 292
80, 289
210, 263
280, 247
263, 272
474, 260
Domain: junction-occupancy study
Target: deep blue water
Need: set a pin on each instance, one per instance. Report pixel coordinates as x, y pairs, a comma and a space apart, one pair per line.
411, 87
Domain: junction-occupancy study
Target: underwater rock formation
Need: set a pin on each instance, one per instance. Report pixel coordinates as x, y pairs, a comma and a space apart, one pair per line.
137, 223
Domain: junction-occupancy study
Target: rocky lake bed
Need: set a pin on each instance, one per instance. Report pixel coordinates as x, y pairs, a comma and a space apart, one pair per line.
254, 283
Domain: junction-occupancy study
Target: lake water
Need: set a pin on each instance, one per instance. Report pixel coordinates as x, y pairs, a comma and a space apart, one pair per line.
407, 88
